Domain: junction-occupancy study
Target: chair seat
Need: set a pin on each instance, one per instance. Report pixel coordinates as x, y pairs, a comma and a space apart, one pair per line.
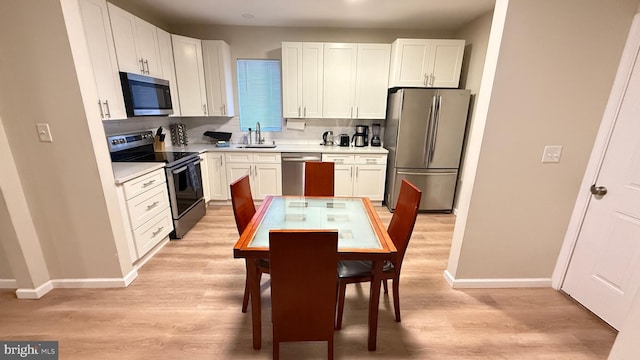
360, 268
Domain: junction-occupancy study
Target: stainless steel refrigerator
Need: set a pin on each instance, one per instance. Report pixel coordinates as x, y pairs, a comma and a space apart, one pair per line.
424, 133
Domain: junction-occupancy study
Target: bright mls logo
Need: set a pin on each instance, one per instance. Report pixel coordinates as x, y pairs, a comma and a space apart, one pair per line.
32, 350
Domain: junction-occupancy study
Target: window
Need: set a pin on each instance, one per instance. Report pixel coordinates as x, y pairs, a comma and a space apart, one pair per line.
259, 94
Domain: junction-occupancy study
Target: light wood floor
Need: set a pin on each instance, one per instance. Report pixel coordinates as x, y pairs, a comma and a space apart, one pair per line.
185, 304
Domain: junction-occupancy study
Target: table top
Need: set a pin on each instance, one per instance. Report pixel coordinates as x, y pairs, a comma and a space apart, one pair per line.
361, 234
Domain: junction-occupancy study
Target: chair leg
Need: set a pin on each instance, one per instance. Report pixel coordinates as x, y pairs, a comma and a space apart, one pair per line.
276, 349
386, 287
245, 300
330, 348
396, 297
342, 288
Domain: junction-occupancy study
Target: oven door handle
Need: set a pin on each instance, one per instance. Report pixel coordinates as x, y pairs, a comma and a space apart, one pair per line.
179, 170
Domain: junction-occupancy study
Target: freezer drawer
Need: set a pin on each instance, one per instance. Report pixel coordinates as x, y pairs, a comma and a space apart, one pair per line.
438, 189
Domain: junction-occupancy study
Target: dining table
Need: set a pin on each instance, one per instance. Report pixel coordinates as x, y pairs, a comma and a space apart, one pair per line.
361, 236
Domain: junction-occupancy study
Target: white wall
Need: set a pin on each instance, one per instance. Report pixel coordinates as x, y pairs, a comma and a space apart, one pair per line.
63, 181
553, 76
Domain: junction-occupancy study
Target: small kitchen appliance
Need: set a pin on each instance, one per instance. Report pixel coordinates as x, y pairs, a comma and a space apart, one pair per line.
144, 96
375, 135
327, 138
361, 137
183, 172
344, 140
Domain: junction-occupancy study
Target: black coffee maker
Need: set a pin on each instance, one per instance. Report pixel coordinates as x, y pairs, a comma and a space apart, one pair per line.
361, 137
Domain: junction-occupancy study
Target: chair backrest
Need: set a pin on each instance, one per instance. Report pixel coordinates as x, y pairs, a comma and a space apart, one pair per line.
303, 267
318, 178
242, 202
403, 219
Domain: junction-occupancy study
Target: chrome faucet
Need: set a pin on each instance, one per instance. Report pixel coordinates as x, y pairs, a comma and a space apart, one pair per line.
258, 135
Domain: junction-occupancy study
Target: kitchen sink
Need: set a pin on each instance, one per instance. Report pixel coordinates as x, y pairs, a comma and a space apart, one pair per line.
258, 146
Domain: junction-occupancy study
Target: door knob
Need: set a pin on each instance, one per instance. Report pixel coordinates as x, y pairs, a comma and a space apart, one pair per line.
598, 190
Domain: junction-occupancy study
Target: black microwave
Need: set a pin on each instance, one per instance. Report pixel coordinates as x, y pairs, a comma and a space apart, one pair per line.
145, 95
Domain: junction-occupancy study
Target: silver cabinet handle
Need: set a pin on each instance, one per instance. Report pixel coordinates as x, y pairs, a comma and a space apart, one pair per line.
204, 108
356, 112
298, 111
224, 109
141, 61
351, 172
153, 234
357, 168
148, 183
146, 62
598, 190
424, 80
351, 113
305, 111
149, 207
107, 110
100, 107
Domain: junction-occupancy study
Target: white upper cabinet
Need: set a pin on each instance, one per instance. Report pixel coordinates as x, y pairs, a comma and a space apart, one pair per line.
302, 79
168, 68
218, 77
426, 63
95, 20
338, 98
136, 43
355, 80
187, 55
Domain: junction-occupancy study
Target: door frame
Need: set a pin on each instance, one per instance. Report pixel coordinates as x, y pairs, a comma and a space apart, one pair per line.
630, 55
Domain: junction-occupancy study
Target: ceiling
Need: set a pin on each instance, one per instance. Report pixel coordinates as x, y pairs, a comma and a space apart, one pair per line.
384, 14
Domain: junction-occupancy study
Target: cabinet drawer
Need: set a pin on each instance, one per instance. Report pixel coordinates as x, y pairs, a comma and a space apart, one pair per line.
150, 233
239, 157
143, 183
147, 205
371, 159
338, 159
259, 158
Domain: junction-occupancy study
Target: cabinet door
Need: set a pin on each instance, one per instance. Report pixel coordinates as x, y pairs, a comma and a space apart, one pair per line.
291, 79
312, 79
267, 180
217, 70
147, 47
238, 170
343, 180
206, 183
445, 63
369, 181
339, 80
187, 55
371, 81
123, 25
218, 186
95, 20
168, 68
409, 62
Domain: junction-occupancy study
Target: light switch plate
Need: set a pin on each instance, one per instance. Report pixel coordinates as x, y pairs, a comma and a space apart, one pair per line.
552, 154
44, 132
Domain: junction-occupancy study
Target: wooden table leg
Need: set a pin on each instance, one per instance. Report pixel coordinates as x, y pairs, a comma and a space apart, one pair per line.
374, 300
256, 311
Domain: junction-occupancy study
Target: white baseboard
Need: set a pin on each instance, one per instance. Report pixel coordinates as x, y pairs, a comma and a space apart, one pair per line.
43, 289
495, 283
8, 284
36, 293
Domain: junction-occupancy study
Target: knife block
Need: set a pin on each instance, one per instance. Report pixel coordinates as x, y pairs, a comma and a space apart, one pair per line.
158, 144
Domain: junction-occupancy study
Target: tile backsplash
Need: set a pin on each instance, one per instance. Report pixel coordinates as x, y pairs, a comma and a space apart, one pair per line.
196, 126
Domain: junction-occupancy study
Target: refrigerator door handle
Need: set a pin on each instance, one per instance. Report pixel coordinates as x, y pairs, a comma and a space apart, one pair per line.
434, 134
429, 135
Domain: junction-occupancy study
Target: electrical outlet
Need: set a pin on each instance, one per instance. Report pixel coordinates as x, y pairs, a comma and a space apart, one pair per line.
44, 132
551, 154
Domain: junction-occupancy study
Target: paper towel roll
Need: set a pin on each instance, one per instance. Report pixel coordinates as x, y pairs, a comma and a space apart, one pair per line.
295, 124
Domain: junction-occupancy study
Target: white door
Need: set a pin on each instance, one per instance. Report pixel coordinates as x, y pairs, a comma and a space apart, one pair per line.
343, 180
339, 80
291, 79
604, 271
123, 25
445, 63
267, 180
218, 186
147, 46
187, 55
369, 181
312, 79
371, 81
409, 63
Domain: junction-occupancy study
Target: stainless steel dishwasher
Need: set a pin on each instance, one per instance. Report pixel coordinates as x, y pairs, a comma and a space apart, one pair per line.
293, 171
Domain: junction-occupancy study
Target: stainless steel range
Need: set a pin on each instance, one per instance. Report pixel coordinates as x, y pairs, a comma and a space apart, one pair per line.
184, 177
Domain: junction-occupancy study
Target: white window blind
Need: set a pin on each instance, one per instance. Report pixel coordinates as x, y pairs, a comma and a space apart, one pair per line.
259, 94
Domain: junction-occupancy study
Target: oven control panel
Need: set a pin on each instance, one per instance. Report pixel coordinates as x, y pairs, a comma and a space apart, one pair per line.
128, 141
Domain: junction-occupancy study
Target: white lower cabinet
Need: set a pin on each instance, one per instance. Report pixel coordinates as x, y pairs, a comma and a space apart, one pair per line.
264, 170
218, 185
206, 183
359, 175
146, 211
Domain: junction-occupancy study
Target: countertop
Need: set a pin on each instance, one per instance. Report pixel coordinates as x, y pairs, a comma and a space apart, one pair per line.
124, 171
280, 148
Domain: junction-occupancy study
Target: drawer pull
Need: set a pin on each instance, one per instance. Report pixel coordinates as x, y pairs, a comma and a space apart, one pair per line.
149, 207
371, 161
148, 183
338, 161
153, 234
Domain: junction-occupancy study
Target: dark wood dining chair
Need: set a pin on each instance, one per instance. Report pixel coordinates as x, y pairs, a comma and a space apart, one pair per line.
243, 211
318, 178
303, 286
400, 229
